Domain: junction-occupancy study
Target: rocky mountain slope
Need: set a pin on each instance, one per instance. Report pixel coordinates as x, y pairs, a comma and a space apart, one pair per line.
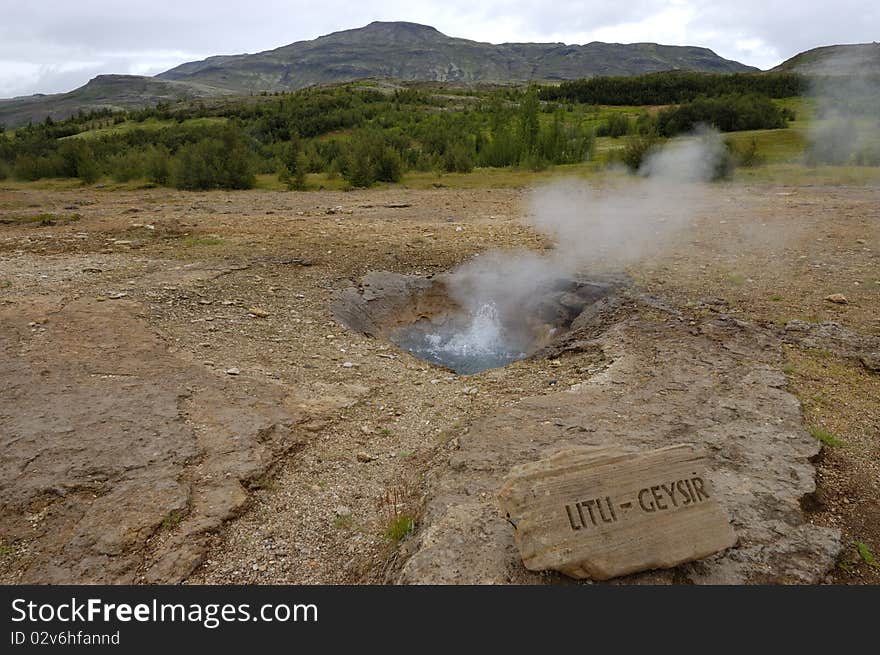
113, 92
409, 51
399, 50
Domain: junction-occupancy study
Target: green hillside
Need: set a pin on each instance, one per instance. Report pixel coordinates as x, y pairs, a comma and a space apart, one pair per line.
835, 60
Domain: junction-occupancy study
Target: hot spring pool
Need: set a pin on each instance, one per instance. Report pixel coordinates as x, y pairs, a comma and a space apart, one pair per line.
466, 345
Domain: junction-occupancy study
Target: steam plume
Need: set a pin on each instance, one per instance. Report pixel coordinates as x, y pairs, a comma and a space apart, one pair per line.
593, 229
845, 87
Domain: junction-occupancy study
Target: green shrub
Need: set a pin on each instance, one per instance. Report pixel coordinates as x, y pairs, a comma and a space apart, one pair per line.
370, 159
535, 162
636, 151
748, 155
89, 171
730, 113
725, 163
616, 126
157, 165
127, 166
224, 163
29, 167
646, 124
458, 159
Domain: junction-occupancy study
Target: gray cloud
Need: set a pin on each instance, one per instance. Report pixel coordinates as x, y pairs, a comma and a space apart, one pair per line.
56, 45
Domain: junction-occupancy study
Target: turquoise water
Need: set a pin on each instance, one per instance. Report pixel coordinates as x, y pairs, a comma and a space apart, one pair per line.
477, 343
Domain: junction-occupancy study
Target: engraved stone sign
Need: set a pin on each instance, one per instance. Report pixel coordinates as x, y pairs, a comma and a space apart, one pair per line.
603, 512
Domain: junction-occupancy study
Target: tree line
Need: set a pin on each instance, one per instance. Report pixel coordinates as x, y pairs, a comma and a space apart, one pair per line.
362, 135
674, 87
368, 134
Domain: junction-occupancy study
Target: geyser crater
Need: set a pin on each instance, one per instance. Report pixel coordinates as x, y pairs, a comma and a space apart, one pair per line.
420, 315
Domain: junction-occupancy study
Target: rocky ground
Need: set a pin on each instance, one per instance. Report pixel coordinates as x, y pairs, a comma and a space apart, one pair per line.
180, 404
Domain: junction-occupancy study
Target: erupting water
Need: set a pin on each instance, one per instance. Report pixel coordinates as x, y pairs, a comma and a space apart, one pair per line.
475, 344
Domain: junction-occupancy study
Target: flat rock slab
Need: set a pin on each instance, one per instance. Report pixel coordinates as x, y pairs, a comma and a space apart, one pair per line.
716, 384
119, 456
604, 512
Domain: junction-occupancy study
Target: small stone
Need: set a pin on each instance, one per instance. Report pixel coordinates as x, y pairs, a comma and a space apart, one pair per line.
837, 298
797, 326
342, 510
232, 371
348, 365
364, 457
259, 313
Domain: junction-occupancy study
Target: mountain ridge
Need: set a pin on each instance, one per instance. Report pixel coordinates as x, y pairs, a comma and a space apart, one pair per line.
839, 59
410, 52
382, 49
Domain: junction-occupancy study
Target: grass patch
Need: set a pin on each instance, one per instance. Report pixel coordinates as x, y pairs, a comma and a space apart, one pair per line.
195, 242
794, 173
343, 522
148, 125
774, 146
399, 528
737, 279
826, 437
264, 482
6, 551
776, 298
385, 432
173, 520
866, 555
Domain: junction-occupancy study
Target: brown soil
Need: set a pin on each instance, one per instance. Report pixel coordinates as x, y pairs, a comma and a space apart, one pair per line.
179, 402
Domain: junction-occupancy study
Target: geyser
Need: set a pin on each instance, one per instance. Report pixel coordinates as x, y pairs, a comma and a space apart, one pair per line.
419, 315
505, 305
468, 344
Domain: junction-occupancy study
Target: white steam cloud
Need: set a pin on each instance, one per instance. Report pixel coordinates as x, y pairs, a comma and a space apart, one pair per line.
845, 87
594, 229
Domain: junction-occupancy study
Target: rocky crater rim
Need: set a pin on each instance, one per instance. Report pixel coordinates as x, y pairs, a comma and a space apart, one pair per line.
432, 318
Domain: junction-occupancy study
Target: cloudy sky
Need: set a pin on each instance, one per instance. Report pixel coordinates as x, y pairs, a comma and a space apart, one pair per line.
48, 46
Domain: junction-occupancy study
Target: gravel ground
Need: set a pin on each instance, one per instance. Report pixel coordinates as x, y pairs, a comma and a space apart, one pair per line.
238, 284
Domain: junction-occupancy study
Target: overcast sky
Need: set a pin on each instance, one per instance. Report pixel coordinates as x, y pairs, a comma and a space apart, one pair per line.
48, 46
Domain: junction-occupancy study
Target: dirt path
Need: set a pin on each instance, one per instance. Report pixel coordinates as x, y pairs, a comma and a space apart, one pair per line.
201, 323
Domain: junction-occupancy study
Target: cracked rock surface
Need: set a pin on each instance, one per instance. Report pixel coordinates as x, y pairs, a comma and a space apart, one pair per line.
716, 385
163, 448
